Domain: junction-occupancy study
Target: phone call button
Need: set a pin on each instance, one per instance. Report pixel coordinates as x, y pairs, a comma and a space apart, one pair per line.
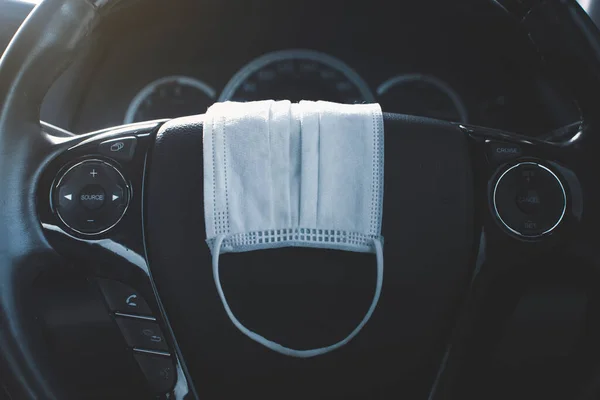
122, 298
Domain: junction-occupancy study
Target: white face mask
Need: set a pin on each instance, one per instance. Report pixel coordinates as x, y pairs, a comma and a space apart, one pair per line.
278, 174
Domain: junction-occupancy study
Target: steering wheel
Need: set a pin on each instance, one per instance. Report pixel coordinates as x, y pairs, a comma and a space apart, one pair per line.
464, 204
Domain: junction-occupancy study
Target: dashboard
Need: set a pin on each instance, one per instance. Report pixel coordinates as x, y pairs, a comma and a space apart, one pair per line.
462, 63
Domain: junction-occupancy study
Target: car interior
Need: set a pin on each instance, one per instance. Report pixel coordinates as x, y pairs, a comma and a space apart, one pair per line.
492, 266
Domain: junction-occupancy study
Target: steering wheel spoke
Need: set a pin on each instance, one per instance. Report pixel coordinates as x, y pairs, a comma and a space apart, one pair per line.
96, 178
530, 200
90, 205
530, 187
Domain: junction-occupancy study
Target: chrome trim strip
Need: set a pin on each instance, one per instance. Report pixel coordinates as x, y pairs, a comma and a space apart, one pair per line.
133, 316
152, 352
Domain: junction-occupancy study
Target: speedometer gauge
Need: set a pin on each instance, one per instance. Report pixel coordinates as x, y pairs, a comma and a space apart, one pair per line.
297, 75
170, 97
422, 95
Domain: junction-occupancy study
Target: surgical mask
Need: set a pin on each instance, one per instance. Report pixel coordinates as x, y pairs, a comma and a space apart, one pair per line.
278, 174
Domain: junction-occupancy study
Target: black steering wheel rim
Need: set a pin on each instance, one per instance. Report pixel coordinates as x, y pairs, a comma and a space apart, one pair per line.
44, 46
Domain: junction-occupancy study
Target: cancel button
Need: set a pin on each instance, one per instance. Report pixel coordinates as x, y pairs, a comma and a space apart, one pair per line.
92, 197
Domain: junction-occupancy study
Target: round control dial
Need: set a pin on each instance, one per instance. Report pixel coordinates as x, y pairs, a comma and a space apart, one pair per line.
91, 197
529, 200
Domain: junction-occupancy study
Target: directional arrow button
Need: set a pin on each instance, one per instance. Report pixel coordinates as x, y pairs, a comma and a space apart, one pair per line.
118, 196
66, 196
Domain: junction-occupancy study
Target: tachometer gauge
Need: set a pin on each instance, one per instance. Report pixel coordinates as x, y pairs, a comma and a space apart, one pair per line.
170, 97
422, 95
297, 75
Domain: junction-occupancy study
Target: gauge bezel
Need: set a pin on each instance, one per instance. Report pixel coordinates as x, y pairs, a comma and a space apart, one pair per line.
147, 90
436, 82
296, 54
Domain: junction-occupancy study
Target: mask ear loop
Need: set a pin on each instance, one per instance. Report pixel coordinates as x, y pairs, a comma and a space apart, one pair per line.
286, 350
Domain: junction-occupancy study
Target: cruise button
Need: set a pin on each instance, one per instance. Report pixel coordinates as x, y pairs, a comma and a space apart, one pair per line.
499, 152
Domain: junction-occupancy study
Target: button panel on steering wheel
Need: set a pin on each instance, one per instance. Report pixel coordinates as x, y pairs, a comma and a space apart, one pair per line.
91, 197
529, 200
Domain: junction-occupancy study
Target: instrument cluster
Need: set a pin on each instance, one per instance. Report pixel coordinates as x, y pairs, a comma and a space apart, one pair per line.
295, 75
